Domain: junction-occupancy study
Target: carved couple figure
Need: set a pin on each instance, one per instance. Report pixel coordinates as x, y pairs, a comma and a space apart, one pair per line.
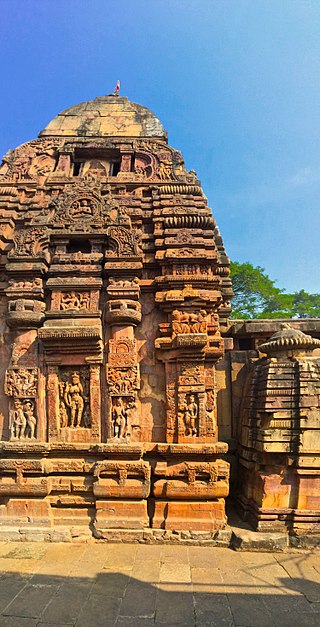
23, 422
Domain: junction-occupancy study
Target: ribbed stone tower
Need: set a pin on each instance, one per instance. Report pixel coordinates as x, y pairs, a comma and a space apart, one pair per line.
115, 290
279, 478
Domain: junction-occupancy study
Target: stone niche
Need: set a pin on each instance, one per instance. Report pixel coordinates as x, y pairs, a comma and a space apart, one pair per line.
115, 294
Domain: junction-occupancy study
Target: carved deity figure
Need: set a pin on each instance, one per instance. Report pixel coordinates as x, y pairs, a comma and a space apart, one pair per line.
190, 411
81, 208
74, 399
119, 418
30, 417
19, 421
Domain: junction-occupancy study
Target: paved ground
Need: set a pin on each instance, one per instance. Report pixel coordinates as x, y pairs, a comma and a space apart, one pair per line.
134, 585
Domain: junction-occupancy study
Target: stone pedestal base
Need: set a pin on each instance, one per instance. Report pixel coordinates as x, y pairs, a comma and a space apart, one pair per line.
280, 500
121, 515
27, 511
189, 515
285, 520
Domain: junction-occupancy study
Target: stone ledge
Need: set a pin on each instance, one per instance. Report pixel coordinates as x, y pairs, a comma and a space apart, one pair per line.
234, 538
244, 540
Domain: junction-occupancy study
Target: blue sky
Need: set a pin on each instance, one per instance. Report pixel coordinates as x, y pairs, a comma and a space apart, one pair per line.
235, 83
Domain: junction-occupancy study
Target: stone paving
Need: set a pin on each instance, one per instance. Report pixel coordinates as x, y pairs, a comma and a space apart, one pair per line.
132, 585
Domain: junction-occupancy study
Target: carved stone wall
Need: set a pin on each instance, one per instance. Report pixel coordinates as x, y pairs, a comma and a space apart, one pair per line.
120, 371
115, 291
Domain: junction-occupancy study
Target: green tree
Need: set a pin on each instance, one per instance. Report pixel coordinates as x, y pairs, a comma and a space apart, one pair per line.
256, 296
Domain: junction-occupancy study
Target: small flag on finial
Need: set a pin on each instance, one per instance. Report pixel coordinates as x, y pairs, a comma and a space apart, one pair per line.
117, 87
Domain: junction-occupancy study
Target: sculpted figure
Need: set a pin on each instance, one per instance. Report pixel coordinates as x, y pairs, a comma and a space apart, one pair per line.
185, 326
70, 300
19, 421
73, 397
27, 382
202, 318
190, 415
81, 207
176, 322
62, 407
194, 325
199, 322
119, 418
96, 168
164, 171
30, 417
84, 300
180, 322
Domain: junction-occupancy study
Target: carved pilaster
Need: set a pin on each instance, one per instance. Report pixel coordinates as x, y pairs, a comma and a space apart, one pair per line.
123, 312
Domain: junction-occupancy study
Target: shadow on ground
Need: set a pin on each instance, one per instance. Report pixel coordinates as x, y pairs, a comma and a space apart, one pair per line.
253, 593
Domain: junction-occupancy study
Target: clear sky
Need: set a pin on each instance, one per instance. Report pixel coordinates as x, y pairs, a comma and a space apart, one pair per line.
235, 83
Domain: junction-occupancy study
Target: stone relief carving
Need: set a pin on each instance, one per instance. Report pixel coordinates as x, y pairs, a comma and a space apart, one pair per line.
192, 374
190, 413
75, 300
95, 168
81, 207
124, 242
210, 412
21, 382
143, 165
164, 171
36, 284
184, 322
31, 242
22, 417
74, 398
23, 354
30, 160
121, 416
122, 353
117, 284
22, 385
122, 380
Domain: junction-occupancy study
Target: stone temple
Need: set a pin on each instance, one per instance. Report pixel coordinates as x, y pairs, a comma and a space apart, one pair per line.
123, 381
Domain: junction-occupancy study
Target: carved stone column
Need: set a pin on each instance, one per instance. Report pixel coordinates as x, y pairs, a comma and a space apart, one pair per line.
123, 313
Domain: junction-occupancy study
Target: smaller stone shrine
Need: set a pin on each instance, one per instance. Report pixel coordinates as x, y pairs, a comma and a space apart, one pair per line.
279, 436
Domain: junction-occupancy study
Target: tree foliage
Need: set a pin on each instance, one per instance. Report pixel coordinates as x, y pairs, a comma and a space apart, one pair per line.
256, 296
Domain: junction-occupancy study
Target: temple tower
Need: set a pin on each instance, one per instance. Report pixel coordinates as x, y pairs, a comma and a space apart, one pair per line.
115, 289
